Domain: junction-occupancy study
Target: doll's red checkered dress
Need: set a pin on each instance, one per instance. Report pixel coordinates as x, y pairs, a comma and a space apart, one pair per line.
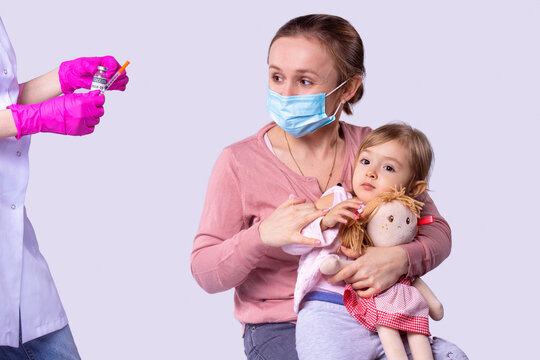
400, 307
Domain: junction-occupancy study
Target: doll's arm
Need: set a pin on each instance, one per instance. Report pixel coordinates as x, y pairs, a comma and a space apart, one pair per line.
333, 264
436, 310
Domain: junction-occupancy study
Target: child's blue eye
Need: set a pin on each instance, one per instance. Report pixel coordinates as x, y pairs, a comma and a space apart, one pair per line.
388, 168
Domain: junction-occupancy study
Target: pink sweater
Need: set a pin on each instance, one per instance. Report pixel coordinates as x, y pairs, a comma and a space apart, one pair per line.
247, 184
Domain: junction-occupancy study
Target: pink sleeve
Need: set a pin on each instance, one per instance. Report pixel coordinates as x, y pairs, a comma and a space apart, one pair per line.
432, 244
226, 248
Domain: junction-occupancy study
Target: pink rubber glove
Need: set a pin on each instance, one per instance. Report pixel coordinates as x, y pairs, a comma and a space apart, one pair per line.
72, 114
78, 73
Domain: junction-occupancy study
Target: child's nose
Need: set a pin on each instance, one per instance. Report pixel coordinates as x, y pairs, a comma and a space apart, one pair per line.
372, 174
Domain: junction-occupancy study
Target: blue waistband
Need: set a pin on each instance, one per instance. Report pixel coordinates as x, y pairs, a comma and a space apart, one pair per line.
324, 296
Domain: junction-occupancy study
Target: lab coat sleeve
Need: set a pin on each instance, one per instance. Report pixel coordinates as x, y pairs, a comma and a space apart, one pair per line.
226, 248
432, 244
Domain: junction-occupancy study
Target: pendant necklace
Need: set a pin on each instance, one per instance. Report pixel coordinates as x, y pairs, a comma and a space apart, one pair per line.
298, 166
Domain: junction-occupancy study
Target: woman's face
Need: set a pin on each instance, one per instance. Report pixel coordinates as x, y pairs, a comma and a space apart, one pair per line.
299, 66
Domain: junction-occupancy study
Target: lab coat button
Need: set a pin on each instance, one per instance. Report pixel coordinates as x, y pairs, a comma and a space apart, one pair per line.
13, 206
5, 71
19, 153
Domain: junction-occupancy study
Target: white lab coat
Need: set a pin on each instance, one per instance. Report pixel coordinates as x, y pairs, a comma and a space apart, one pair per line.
25, 279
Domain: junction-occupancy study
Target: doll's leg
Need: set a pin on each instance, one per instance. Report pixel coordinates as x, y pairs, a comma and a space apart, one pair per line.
420, 346
392, 343
332, 264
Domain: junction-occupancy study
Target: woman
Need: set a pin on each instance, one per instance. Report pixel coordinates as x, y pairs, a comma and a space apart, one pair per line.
246, 217
33, 323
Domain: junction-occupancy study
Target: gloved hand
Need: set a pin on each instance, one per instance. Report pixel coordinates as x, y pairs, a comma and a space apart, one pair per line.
72, 114
78, 73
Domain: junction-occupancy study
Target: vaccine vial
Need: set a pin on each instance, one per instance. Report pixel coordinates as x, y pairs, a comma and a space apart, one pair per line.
99, 81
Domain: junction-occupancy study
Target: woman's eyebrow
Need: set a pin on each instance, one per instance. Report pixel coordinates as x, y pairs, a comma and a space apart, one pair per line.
298, 71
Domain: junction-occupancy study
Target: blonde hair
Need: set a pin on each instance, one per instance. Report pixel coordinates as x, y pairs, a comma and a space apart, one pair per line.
353, 235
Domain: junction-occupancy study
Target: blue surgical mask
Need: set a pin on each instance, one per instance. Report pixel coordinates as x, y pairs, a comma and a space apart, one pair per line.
300, 115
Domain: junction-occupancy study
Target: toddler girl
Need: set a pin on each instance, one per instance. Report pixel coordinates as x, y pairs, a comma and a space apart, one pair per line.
394, 155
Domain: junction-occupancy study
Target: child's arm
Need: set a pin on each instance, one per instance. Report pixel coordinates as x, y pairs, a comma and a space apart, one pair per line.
436, 310
341, 213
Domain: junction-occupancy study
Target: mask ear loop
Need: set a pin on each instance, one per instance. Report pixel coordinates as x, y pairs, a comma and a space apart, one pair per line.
337, 109
341, 102
340, 85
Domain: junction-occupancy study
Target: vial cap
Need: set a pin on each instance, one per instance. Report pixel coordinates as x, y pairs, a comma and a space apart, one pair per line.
102, 68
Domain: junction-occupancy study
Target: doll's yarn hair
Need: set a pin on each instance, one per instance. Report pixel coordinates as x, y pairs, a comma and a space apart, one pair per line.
354, 235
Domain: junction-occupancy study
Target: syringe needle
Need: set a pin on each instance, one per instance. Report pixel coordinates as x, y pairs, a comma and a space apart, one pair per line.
113, 79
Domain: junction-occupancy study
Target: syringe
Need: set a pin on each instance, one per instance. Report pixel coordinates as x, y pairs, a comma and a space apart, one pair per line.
113, 79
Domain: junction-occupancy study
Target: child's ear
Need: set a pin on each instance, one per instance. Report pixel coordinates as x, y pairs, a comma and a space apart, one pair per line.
417, 188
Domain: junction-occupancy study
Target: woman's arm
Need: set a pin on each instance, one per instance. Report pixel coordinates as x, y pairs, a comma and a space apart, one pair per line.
42, 88
432, 244
37, 90
227, 248
381, 267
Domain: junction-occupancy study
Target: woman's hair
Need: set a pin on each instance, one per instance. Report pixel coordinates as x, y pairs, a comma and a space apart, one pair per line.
420, 160
341, 40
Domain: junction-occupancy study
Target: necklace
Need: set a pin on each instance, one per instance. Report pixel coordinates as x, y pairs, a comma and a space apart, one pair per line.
298, 166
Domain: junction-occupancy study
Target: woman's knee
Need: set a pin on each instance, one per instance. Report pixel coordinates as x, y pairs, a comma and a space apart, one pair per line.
445, 350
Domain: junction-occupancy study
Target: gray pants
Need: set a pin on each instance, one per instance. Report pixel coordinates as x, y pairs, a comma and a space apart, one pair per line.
326, 330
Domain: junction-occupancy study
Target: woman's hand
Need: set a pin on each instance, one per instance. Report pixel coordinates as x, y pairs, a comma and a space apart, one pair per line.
375, 271
78, 73
72, 114
284, 225
341, 213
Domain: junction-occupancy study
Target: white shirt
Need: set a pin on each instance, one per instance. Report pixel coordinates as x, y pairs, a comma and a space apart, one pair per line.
25, 279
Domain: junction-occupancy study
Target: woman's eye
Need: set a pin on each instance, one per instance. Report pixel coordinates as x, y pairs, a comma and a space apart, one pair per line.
364, 162
408, 221
388, 168
276, 78
305, 82
391, 218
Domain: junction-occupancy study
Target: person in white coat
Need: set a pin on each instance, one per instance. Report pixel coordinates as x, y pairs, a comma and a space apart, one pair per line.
33, 324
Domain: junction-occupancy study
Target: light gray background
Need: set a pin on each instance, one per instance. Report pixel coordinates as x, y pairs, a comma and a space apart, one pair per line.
116, 212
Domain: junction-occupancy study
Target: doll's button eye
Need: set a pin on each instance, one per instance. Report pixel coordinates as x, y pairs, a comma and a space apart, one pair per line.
391, 218
408, 221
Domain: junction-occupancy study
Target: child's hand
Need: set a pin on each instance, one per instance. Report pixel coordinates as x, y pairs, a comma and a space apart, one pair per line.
341, 213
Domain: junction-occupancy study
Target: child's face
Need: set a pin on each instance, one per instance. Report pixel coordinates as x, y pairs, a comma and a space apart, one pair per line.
380, 168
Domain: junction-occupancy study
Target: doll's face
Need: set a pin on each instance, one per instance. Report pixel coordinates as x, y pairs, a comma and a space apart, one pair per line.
392, 224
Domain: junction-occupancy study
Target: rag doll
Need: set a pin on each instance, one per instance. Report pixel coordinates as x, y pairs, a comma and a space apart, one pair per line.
388, 220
